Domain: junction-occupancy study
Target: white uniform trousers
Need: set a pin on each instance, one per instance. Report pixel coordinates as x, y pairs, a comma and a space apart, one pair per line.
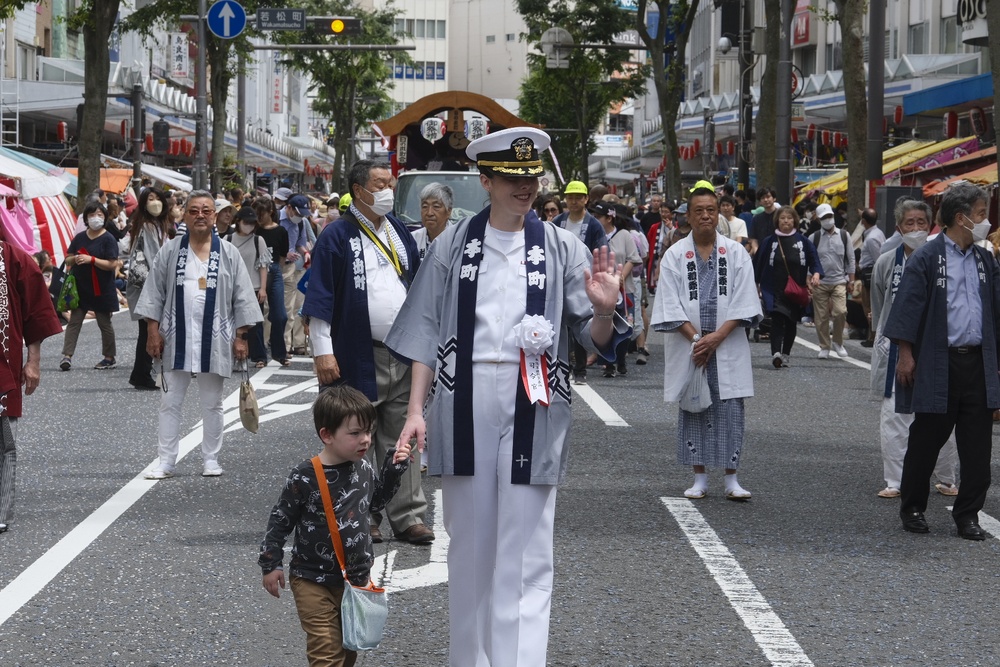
500, 559
895, 432
210, 398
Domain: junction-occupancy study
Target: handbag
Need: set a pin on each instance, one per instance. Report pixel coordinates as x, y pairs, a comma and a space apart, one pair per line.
363, 609
138, 266
249, 411
69, 295
58, 279
795, 293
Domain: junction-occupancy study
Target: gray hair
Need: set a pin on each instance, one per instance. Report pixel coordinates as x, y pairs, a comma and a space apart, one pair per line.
904, 206
361, 171
439, 191
201, 194
959, 199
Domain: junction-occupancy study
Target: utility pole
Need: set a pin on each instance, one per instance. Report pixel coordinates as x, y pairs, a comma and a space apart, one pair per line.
199, 177
746, 99
876, 89
241, 118
783, 127
137, 137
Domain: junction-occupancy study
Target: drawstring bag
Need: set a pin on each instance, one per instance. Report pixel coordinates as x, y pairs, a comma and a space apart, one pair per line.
69, 295
363, 609
249, 411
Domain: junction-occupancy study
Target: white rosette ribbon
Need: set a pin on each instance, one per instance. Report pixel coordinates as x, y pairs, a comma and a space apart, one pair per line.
534, 335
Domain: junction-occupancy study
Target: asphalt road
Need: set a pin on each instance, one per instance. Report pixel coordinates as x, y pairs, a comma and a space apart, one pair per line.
103, 568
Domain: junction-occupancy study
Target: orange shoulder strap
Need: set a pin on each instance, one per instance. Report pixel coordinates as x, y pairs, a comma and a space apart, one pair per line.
331, 518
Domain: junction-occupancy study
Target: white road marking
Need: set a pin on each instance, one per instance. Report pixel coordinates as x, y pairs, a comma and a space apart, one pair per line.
986, 522
774, 639
600, 407
49, 565
431, 574
833, 355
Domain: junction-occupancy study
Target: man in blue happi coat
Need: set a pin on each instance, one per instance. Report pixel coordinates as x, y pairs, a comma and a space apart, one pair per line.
944, 322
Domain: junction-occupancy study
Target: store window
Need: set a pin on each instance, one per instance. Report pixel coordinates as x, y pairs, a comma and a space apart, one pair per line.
418, 31
917, 42
490, 39
440, 30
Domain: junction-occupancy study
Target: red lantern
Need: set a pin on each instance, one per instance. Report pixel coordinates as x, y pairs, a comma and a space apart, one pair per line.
175, 147
718, 148
811, 132
731, 148
680, 152
837, 139
260, 170
897, 115
124, 129
825, 137
979, 123
149, 143
795, 135
697, 146
61, 131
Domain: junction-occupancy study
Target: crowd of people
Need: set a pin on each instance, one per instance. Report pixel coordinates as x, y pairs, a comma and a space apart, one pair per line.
407, 328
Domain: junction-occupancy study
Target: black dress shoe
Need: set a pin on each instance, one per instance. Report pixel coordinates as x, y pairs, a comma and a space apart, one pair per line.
376, 534
970, 530
914, 522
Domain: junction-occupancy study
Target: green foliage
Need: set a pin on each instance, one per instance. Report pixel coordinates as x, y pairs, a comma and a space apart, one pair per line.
352, 87
9, 7
578, 97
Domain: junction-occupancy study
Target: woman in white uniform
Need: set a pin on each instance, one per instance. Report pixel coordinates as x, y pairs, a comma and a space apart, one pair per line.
486, 320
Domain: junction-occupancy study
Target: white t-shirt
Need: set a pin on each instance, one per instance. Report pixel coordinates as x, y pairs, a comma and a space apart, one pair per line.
385, 290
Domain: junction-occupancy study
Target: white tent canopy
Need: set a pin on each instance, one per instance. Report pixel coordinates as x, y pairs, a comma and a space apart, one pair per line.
33, 182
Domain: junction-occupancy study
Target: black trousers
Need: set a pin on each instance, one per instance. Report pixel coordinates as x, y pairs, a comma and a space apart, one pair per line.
579, 358
972, 421
783, 330
142, 369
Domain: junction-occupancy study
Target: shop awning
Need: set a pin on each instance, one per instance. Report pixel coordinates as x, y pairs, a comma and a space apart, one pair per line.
43, 166
33, 182
112, 179
959, 164
983, 176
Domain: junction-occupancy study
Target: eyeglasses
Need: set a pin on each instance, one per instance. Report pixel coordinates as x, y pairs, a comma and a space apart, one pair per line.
202, 211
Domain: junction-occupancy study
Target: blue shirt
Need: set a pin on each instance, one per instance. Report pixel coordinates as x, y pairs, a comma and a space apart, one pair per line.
295, 240
965, 306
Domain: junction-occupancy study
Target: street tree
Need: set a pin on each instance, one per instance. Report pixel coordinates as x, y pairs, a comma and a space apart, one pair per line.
95, 19
666, 46
352, 87
765, 145
850, 16
597, 78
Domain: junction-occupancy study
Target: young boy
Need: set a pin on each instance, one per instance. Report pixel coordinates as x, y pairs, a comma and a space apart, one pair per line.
344, 420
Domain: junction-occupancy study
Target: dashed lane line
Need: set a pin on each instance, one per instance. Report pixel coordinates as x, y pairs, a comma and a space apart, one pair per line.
833, 355
600, 407
774, 639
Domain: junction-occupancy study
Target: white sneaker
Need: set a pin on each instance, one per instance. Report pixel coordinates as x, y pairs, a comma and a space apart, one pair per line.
824, 354
840, 350
211, 470
784, 360
160, 472
776, 360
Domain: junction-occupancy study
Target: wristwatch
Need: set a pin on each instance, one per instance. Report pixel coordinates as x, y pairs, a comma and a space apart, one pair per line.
242, 335
695, 338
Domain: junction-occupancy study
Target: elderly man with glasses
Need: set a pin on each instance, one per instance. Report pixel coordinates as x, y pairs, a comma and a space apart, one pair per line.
198, 303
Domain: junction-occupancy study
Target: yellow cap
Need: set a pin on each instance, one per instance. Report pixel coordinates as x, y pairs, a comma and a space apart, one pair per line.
345, 201
703, 184
576, 188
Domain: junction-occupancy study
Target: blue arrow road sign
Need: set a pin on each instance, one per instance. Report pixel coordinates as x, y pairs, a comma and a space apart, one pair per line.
226, 19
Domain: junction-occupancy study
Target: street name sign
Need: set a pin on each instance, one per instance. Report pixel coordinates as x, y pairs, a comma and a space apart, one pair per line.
287, 18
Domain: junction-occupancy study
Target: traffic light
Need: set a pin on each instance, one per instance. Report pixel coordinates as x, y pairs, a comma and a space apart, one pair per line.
161, 136
337, 25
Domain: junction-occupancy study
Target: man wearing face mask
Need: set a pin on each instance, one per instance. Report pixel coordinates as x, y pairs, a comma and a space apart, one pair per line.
944, 321
912, 225
836, 254
294, 217
873, 238
362, 267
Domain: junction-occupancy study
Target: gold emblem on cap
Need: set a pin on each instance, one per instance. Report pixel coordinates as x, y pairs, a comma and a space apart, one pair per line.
523, 148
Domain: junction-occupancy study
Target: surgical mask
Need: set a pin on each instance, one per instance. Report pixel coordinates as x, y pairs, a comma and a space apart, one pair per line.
914, 240
95, 222
246, 228
154, 208
296, 219
383, 202
827, 223
980, 230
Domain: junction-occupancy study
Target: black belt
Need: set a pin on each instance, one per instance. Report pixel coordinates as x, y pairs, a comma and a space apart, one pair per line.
378, 343
965, 349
